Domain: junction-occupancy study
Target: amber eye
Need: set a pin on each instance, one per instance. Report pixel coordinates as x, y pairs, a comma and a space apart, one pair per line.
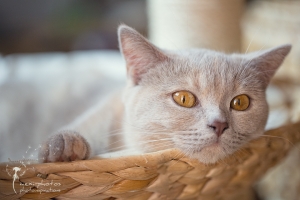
240, 102
184, 98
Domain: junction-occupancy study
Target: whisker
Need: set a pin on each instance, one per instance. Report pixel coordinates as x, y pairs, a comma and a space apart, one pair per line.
251, 42
162, 143
240, 151
279, 137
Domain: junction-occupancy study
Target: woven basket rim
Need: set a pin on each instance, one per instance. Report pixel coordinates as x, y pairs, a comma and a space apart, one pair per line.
158, 175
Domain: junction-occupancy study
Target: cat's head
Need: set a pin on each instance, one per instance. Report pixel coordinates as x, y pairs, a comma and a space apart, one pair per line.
207, 104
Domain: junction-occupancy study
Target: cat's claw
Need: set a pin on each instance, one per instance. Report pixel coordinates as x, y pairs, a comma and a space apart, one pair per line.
64, 146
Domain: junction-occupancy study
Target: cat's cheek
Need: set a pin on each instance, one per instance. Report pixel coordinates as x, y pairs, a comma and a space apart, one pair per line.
250, 121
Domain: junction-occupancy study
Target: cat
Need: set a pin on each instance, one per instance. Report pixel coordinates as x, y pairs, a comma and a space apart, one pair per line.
208, 104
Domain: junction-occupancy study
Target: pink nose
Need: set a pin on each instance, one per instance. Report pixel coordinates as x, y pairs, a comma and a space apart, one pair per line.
219, 127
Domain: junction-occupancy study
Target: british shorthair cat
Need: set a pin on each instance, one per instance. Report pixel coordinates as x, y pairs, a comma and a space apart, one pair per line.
206, 103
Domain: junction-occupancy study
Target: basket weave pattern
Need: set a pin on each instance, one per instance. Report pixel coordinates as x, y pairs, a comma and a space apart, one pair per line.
161, 175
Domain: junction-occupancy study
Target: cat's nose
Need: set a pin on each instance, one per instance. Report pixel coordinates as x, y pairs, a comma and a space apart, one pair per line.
219, 127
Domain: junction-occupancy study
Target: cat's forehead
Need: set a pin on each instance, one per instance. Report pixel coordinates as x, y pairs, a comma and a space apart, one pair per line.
214, 70
206, 70
208, 62
212, 76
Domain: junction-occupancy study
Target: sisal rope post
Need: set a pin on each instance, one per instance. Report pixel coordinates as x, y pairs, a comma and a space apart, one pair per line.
213, 24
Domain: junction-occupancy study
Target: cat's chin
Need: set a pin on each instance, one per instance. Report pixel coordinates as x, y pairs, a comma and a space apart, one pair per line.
210, 154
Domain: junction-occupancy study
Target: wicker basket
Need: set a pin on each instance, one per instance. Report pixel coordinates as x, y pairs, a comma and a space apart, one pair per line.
161, 175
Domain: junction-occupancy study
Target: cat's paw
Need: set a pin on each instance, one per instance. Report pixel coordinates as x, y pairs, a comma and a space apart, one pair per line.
64, 146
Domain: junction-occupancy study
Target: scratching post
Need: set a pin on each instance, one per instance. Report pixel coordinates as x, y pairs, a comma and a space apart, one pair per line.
213, 24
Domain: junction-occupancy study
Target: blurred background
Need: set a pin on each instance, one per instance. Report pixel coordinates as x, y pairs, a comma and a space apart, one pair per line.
58, 58
71, 25
66, 25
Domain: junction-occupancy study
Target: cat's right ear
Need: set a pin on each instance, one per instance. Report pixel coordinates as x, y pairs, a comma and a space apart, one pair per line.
140, 55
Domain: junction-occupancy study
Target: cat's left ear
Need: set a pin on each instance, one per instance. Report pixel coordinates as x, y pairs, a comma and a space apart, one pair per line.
140, 55
268, 61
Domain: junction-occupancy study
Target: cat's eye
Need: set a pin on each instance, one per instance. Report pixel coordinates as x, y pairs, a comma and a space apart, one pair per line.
240, 102
184, 99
